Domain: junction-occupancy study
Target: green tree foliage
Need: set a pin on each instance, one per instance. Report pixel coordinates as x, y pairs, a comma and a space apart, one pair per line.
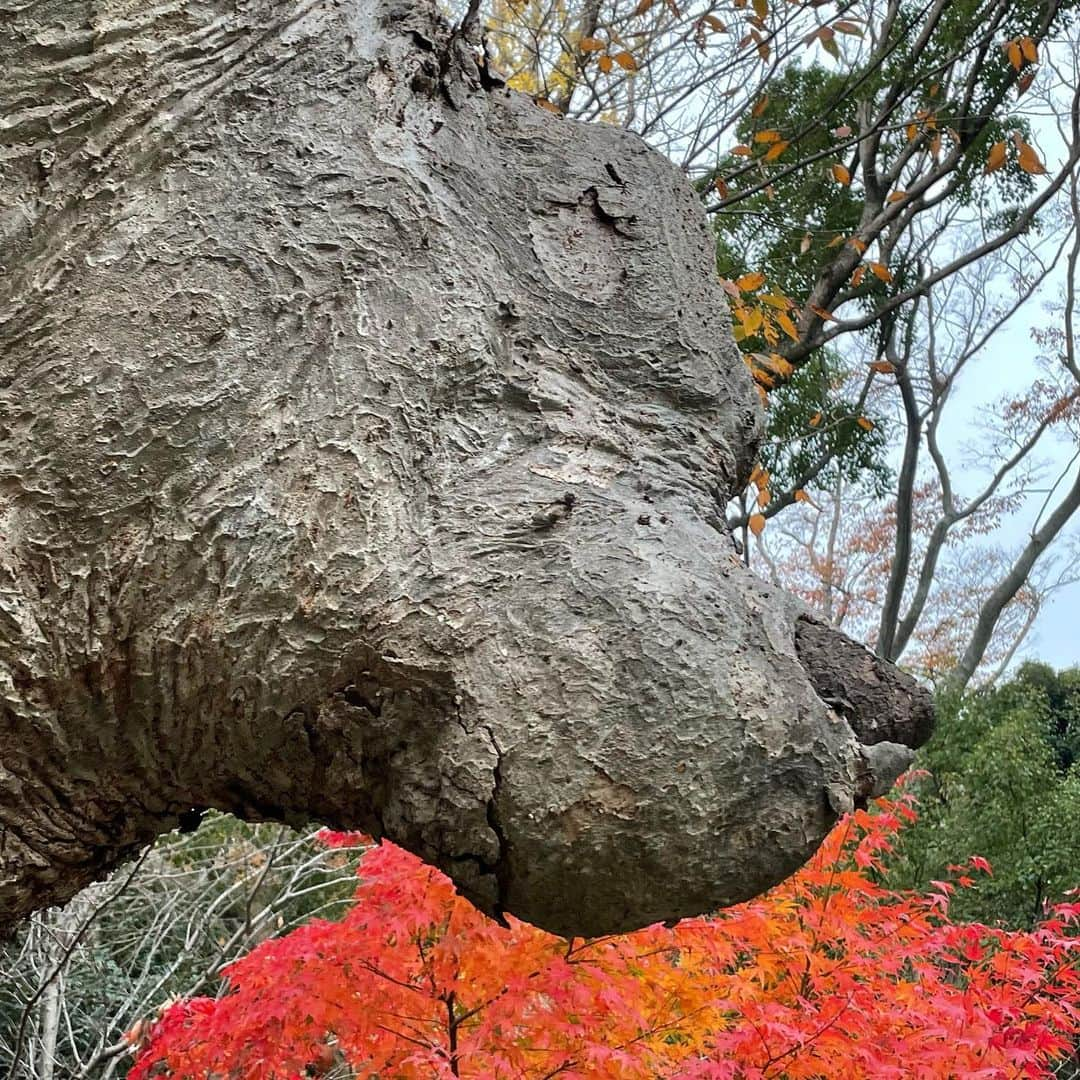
792, 227
1004, 783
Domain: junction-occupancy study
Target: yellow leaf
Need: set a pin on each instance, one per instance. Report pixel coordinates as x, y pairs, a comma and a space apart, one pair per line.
759, 477
1029, 50
897, 196
1029, 160
857, 276
784, 319
762, 375
1016, 56
775, 300
750, 282
740, 151
781, 366
836, 241
801, 496
996, 158
858, 245
759, 106
846, 27
815, 419
866, 425
605, 64
828, 42
761, 8
643, 6
590, 44
841, 174
821, 313
763, 497
721, 187
549, 105
626, 61
883, 367
776, 150
752, 323
767, 136
880, 271
1024, 82
912, 132
757, 524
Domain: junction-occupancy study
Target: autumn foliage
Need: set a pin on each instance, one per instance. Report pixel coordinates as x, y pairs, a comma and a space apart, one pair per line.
828, 975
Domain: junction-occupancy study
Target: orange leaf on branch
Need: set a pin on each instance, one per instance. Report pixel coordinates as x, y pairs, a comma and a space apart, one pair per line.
750, 282
996, 158
385, 989
1030, 161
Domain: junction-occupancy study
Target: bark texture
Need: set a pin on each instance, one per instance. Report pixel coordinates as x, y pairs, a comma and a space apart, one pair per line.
366, 432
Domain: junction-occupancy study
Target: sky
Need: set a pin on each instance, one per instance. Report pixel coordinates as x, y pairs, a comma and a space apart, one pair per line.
1009, 366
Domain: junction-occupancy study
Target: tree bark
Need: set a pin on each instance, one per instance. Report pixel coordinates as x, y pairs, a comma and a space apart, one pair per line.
366, 437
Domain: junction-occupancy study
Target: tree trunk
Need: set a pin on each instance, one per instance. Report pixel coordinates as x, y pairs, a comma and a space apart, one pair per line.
366, 435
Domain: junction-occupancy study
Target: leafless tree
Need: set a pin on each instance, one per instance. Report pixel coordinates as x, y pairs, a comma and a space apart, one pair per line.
77, 981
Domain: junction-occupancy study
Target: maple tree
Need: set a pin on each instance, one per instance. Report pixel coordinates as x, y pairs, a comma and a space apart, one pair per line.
829, 974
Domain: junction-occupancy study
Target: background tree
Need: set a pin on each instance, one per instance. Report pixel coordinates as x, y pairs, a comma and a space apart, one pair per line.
1004, 782
74, 982
905, 563
870, 169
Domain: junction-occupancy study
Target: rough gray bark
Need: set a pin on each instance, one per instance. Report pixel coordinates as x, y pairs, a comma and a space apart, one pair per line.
366, 434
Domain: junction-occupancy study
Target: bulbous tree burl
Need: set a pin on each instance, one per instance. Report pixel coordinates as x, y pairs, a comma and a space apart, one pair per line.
367, 432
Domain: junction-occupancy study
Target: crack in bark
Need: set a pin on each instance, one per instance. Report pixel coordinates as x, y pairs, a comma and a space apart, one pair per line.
502, 865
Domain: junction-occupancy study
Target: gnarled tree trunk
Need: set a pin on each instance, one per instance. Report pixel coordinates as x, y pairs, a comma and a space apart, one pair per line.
366, 434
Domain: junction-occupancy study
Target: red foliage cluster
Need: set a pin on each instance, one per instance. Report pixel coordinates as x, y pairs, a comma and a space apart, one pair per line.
828, 975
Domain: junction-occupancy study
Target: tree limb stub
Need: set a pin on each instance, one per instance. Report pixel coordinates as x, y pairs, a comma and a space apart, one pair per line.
366, 433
